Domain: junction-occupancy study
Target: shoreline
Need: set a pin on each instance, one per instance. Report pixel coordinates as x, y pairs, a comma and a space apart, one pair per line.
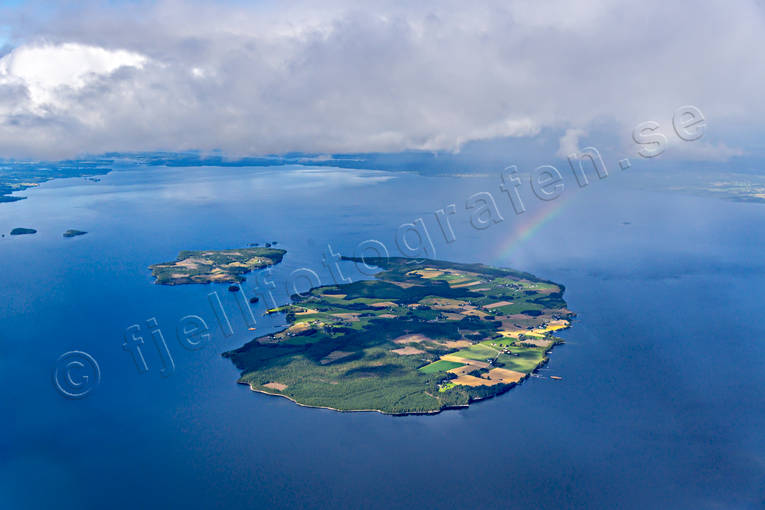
412, 413
539, 333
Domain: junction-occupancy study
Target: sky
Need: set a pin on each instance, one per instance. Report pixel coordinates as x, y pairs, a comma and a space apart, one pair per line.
271, 77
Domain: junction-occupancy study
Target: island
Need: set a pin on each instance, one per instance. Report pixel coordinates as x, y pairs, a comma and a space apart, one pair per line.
19, 231
214, 266
422, 336
74, 233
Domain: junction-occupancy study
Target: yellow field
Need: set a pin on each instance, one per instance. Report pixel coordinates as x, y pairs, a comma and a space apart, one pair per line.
350, 316
407, 351
256, 261
470, 310
234, 264
192, 262
456, 344
426, 273
538, 342
471, 380
219, 277
411, 339
505, 376
469, 284
464, 370
498, 304
383, 304
444, 303
297, 327
495, 375
537, 333
556, 325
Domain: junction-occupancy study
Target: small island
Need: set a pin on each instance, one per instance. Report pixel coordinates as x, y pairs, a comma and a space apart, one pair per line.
423, 336
74, 233
19, 231
214, 266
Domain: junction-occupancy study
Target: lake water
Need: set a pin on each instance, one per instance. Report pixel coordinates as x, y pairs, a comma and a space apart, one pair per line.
661, 405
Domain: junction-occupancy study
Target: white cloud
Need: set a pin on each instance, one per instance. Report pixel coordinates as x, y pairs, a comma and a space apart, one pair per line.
45, 68
569, 142
701, 151
254, 78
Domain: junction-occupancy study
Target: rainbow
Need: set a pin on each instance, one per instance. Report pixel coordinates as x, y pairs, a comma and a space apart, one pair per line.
532, 223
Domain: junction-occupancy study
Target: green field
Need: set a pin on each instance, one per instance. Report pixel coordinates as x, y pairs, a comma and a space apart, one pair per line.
377, 344
478, 352
523, 359
440, 366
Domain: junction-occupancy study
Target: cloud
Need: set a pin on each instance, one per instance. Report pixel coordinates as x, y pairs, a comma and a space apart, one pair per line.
703, 151
45, 68
272, 77
569, 142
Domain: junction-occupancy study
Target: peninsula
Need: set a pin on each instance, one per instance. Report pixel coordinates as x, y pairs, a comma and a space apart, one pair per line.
214, 266
423, 336
18, 176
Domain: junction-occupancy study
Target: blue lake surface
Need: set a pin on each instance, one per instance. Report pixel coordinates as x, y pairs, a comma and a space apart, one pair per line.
661, 405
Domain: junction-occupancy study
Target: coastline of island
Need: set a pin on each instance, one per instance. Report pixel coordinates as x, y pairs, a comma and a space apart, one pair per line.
23, 231
74, 233
214, 266
424, 336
